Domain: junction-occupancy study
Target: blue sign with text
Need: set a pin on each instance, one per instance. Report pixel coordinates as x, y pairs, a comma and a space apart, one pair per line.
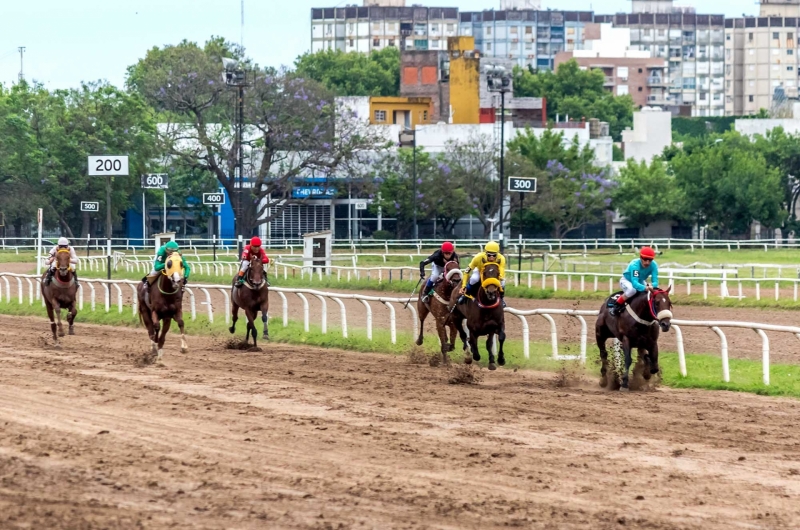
313, 192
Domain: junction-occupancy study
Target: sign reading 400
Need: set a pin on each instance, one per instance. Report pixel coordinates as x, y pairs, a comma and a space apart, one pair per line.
214, 199
108, 165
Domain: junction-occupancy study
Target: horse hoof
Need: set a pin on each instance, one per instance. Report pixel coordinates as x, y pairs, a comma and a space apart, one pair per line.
476, 356
71, 331
57, 346
492, 366
467, 360
451, 347
603, 382
60, 333
232, 329
418, 342
624, 389
265, 337
184, 350
501, 361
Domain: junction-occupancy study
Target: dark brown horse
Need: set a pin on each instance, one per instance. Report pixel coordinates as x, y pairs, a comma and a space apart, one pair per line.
637, 326
483, 316
166, 305
253, 297
60, 294
440, 309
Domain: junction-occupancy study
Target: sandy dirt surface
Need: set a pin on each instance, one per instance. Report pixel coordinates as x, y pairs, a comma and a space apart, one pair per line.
298, 437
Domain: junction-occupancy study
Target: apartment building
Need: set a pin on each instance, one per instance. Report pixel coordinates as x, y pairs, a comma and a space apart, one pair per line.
627, 72
380, 24
693, 46
761, 56
526, 36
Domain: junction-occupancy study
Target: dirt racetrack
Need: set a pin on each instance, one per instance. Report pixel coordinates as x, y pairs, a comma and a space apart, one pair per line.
299, 437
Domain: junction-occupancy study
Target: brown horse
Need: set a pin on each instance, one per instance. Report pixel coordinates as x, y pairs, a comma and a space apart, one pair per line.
166, 305
637, 326
439, 308
483, 316
253, 297
60, 293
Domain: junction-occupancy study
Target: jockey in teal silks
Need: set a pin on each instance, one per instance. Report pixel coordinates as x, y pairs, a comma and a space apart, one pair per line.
634, 279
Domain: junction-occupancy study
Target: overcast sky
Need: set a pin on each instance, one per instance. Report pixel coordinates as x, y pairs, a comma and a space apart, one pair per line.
69, 41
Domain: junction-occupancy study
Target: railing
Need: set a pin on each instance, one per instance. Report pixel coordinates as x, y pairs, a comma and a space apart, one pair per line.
547, 314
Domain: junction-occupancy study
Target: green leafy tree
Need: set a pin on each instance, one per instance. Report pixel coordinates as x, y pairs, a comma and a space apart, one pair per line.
648, 193
353, 73
577, 93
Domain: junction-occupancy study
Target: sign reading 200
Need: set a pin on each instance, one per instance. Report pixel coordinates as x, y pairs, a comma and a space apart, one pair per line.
108, 165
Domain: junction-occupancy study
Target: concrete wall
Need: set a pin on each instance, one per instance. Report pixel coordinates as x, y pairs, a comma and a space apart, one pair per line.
651, 133
464, 81
751, 127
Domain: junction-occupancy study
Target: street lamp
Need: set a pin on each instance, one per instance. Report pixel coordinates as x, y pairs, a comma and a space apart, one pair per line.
498, 79
408, 137
235, 76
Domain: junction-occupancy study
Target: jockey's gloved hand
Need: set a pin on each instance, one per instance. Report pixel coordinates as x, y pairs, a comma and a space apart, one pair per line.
421, 275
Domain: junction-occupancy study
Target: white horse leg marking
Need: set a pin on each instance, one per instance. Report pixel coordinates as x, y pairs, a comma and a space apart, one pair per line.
160, 355
184, 345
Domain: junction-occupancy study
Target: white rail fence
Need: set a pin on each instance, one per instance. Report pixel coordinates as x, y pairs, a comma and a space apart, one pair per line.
29, 283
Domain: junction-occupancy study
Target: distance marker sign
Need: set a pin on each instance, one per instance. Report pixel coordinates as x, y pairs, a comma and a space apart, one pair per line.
108, 165
214, 199
522, 184
90, 206
155, 181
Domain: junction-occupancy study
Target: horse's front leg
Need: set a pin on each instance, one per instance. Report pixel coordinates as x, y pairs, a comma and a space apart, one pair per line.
601, 345
57, 311
473, 345
51, 315
626, 349
156, 328
501, 356
654, 367
490, 350
179, 320
234, 316
163, 337
251, 327
422, 312
445, 346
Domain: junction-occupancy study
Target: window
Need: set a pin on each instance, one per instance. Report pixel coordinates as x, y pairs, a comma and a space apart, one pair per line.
514, 30
717, 96
622, 72
328, 29
351, 27
487, 30
640, 89
727, 85
750, 98
529, 46
376, 43
376, 26
646, 32
727, 37
451, 28
790, 52
392, 26
776, 35
750, 36
662, 32
702, 96
391, 42
488, 46
380, 116
570, 31
434, 27
790, 68
424, 115
640, 70
622, 90
435, 44
350, 42
528, 30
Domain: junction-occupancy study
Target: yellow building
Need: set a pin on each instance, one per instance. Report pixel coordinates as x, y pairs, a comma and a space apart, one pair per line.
408, 111
465, 78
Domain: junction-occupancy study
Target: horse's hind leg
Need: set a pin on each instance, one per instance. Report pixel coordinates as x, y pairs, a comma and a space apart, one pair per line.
490, 350
423, 314
234, 316
626, 348
163, 337
601, 338
265, 318
73, 312
501, 356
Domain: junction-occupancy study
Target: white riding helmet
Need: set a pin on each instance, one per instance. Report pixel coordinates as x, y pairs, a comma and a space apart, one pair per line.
63, 242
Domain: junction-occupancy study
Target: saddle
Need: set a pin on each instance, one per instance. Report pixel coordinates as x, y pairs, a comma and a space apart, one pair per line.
612, 300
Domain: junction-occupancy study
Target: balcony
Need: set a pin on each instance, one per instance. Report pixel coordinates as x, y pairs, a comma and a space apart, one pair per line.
655, 80
660, 99
609, 81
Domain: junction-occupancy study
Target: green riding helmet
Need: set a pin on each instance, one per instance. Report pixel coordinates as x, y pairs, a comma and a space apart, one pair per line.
171, 246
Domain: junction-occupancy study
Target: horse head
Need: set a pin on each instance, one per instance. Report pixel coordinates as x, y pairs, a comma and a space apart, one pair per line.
255, 273
173, 269
62, 263
452, 273
661, 307
490, 281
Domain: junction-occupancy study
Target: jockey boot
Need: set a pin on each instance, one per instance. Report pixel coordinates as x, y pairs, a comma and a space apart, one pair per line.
618, 305
240, 280
428, 290
49, 277
503, 298
75, 275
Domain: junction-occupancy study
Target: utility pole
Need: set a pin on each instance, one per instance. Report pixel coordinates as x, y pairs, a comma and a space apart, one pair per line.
21, 63
499, 80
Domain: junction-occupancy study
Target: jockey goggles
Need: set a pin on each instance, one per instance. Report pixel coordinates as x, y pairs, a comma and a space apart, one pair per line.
491, 254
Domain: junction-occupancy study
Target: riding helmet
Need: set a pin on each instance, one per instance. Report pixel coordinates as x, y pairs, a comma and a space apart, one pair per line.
492, 246
171, 245
447, 247
255, 241
63, 242
647, 253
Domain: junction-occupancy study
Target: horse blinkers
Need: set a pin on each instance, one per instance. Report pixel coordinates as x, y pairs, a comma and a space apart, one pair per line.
662, 306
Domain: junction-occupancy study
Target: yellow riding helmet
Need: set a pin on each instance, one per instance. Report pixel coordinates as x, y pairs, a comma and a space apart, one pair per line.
492, 246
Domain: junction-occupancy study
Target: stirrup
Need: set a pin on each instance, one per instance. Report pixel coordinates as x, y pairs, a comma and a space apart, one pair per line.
426, 299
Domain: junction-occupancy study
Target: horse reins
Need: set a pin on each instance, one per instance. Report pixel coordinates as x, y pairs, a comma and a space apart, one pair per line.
162, 291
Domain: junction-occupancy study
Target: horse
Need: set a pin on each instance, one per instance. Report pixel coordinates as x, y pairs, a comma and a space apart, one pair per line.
439, 308
166, 305
637, 326
483, 316
60, 293
253, 297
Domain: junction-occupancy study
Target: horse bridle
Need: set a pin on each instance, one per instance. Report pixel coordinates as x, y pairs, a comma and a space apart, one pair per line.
664, 313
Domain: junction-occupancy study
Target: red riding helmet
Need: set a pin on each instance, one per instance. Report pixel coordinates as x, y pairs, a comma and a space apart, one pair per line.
255, 242
447, 247
647, 253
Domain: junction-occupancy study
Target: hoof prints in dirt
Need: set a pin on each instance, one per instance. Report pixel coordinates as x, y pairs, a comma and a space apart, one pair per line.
234, 344
465, 374
569, 374
145, 359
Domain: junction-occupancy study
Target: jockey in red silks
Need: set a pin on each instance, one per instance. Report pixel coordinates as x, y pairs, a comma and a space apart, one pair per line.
438, 260
253, 249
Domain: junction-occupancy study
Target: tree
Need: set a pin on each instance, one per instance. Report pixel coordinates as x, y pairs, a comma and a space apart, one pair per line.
572, 192
353, 73
473, 164
728, 184
577, 93
647, 194
293, 130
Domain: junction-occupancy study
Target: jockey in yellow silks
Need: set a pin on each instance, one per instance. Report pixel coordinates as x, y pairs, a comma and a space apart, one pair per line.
474, 273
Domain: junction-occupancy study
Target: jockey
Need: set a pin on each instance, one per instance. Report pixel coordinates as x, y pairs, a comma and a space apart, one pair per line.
161, 262
63, 244
634, 278
490, 254
254, 248
438, 260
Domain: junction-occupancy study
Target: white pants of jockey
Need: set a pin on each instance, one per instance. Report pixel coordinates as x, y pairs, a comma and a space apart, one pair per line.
245, 265
476, 278
436, 272
628, 289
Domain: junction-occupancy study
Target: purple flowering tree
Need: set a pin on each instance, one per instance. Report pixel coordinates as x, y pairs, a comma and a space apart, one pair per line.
293, 128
